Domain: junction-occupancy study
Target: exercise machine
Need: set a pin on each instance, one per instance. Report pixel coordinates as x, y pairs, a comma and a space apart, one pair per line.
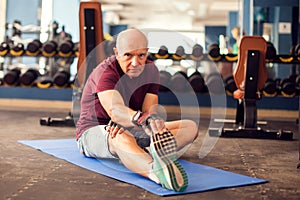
250, 76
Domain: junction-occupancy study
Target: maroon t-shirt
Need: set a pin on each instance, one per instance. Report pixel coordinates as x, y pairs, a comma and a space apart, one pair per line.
107, 76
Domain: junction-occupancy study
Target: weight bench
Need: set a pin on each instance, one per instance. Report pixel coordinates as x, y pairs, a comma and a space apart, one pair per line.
250, 76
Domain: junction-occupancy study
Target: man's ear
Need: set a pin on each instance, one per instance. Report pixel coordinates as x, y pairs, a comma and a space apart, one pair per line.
116, 51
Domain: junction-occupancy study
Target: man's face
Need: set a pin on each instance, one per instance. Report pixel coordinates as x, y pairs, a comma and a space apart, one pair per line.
132, 62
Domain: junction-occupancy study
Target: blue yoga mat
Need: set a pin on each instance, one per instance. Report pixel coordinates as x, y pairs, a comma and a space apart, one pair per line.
201, 178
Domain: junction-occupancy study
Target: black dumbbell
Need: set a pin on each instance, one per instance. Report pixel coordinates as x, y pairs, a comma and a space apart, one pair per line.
4, 49
271, 51
65, 48
215, 83
11, 78
288, 87
214, 52
295, 50
162, 53
165, 78
196, 80
197, 52
17, 50
230, 85
270, 88
44, 82
29, 77
179, 53
61, 79
49, 48
33, 48
179, 81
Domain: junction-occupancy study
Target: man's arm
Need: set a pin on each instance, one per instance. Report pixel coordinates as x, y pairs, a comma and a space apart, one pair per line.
113, 104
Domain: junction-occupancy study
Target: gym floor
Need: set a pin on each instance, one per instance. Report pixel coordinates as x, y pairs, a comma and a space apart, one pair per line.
27, 173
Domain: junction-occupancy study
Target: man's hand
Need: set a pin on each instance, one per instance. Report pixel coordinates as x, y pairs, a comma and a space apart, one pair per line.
155, 126
113, 129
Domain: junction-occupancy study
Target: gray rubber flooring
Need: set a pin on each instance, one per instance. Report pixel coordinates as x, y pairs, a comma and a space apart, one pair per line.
26, 173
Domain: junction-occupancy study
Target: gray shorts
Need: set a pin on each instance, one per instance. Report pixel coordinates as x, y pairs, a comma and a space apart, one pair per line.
94, 143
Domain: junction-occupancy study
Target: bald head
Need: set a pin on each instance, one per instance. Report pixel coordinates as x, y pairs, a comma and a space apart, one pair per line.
131, 39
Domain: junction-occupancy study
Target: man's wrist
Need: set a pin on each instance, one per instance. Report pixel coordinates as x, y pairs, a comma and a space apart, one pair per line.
136, 117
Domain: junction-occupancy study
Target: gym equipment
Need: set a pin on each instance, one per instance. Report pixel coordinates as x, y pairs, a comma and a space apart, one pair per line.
230, 86
4, 49
49, 48
270, 88
179, 54
29, 77
271, 52
11, 78
33, 48
201, 178
197, 52
179, 81
51, 121
165, 78
250, 77
65, 48
91, 53
288, 87
91, 36
17, 50
196, 80
61, 79
214, 83
162, 53
44, 82
214, 52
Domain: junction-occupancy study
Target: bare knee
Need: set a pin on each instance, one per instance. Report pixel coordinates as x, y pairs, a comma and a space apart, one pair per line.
121, 140
192, 128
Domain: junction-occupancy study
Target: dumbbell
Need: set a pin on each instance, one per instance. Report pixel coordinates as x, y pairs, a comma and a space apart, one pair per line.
165, 78
179, 53
271, 51
179, 81
4, 49
295, 50
162, 53
270, 88
230, 85
196, 80
288, 87
44, 82
197, 52
214, 52
17, 50
61, 79
65, 48
29, 77
33, 48
214, 83
11, 78
49, 48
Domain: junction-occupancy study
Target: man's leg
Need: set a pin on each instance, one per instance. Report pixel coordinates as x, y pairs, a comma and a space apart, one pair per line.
162, 170
132, 156
184, 131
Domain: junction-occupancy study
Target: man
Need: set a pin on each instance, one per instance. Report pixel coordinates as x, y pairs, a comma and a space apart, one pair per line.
117, 116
